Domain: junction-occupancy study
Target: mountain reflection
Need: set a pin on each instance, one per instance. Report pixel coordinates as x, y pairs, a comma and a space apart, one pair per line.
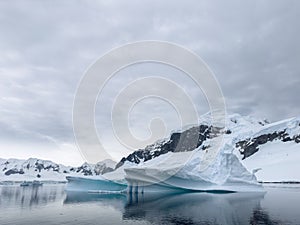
260, 216
29, 196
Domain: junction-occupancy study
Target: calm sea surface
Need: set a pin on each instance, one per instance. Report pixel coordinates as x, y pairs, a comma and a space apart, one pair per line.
50, 204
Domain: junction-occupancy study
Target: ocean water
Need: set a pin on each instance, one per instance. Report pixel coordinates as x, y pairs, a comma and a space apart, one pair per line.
50, 204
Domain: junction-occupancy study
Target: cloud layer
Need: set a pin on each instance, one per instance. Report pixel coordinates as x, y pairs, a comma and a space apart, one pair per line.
45, 47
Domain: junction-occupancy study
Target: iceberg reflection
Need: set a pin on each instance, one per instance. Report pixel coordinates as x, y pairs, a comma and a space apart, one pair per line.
193, 208
182, 208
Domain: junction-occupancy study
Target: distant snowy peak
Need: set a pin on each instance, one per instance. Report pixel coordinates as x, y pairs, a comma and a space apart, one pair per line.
104, 166
246, 120
16, 169
17, 166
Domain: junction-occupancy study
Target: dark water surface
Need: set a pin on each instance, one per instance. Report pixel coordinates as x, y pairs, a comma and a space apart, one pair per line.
50, 204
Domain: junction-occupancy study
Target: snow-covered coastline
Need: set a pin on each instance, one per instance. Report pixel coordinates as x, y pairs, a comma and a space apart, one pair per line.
18, 170
271, 151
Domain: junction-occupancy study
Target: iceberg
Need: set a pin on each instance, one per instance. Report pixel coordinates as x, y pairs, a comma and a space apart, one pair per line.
170, 172
180, 171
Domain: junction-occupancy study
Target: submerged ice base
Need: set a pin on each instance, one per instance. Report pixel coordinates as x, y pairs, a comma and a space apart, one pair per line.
99, 184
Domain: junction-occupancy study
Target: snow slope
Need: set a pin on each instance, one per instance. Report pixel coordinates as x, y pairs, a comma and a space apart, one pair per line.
273, 151
276, 162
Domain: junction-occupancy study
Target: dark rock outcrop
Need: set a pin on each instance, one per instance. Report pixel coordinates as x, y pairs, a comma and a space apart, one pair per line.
13, 171
251, 145
187, 140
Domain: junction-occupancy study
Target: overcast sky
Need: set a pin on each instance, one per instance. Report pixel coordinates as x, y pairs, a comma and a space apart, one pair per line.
45, 47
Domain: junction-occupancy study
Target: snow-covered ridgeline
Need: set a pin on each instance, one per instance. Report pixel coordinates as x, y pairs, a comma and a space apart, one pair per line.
37, 169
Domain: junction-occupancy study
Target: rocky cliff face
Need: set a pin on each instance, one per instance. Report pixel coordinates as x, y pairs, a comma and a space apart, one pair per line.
250, 146
187, 140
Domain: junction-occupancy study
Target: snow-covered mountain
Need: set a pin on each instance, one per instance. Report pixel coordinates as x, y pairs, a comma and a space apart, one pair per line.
270, 150
37, 169
273, 151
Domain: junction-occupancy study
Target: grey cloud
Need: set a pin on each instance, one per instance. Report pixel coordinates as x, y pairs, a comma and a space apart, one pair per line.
45, 47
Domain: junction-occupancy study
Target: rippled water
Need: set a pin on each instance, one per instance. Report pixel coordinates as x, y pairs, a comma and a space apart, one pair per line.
50, 204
